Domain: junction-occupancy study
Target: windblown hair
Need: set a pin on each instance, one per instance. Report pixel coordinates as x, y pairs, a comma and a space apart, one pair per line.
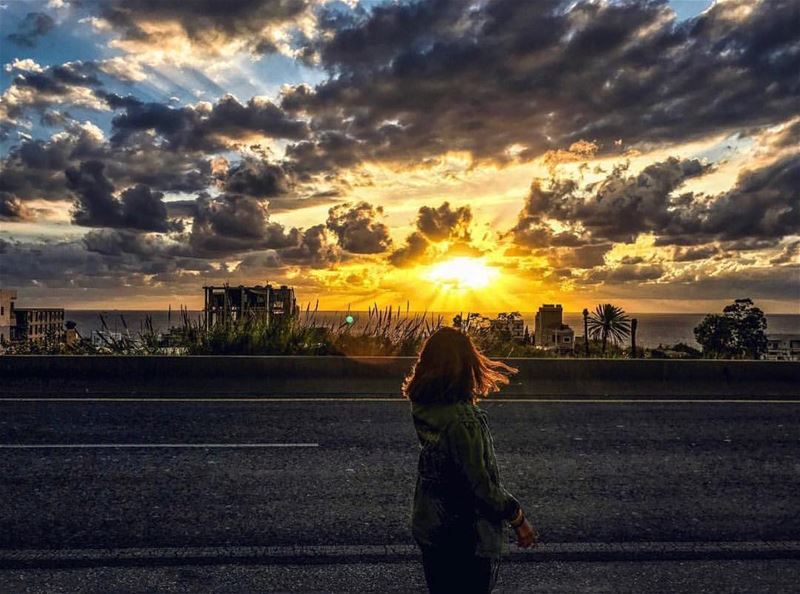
451, 369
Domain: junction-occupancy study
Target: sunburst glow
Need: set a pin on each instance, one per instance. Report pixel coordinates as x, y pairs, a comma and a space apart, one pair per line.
462, 273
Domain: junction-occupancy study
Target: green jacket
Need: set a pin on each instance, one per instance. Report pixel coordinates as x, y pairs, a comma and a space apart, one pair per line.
458, 499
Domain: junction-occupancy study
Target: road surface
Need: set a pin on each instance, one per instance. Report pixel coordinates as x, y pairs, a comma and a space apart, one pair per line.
281, 473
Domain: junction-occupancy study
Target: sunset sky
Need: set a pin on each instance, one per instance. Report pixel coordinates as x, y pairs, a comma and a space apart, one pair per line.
489, 155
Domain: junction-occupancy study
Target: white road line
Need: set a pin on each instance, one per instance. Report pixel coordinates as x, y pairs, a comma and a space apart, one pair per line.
43, 446
401, 400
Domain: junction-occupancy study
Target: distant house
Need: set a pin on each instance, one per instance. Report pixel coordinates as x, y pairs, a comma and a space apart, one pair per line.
783, 347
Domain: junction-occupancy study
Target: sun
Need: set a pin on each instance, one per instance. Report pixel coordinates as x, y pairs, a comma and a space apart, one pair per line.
462, 273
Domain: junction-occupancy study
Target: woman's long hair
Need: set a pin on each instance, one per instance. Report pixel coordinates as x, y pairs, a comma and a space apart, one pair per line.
450, 369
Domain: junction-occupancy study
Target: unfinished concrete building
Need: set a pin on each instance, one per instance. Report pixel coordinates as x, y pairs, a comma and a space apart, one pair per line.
228, 304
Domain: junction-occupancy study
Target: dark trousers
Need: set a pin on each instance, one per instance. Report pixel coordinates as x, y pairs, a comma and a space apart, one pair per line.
448, 571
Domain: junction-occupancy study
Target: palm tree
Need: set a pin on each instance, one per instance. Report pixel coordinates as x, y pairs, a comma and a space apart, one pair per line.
634, 325
609, 321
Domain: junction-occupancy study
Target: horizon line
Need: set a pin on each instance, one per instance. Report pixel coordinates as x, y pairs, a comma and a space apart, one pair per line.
420, 311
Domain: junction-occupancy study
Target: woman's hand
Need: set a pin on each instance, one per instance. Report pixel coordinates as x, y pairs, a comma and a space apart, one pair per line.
526, 534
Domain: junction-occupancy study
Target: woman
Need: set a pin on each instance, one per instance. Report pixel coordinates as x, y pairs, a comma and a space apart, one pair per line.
460, 507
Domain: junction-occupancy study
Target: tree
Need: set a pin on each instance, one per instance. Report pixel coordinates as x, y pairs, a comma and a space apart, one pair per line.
738, 332
715, 335
609, 321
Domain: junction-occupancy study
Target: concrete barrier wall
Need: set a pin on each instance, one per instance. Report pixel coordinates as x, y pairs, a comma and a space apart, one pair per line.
57, 376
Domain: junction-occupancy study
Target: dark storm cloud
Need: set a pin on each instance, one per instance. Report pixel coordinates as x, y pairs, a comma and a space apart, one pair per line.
790, 253
233, 223
413, 79
12, 210
764, 204
30, 28
316, 249
328, 151
358, 228
692, 254
412, 252
38, 88
258, 178
205, 22
762, 207
790, 136
60, 264
444, 222
96, 205
35, 169
585, 256
434, 225
756, 282
59, 79
618, 208
200, 127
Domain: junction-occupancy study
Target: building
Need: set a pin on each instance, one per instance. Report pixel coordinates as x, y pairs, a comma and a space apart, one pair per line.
511, 324
8, 320
37, 324
563, 338
548, 318
550, 330
783, 347
229, 304
28, 324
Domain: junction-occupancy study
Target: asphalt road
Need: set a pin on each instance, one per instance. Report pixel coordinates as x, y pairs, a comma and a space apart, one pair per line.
585, 472
692, 577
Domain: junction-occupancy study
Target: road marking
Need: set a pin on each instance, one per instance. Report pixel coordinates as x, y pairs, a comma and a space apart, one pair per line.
42, 446
270, 400
331, 554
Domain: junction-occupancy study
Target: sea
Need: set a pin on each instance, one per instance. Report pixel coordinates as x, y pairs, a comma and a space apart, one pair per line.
654, 328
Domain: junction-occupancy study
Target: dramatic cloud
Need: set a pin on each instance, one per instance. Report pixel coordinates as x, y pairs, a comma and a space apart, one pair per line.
11, 209
763, 205
96, 205
203, 126
316, 249
206, 24
490, 76
33, 26
35, 168
435, 225
358, 229
439, 224
618, 208
193, 155
233, 223
37, 88
257, 178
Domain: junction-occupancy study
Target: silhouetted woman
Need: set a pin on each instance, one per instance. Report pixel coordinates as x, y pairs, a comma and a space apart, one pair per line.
460, 508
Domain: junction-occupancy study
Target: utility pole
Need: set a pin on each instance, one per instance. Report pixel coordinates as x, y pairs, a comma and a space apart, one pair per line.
586, 332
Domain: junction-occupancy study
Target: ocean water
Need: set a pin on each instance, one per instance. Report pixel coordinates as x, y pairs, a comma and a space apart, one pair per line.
653, 329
